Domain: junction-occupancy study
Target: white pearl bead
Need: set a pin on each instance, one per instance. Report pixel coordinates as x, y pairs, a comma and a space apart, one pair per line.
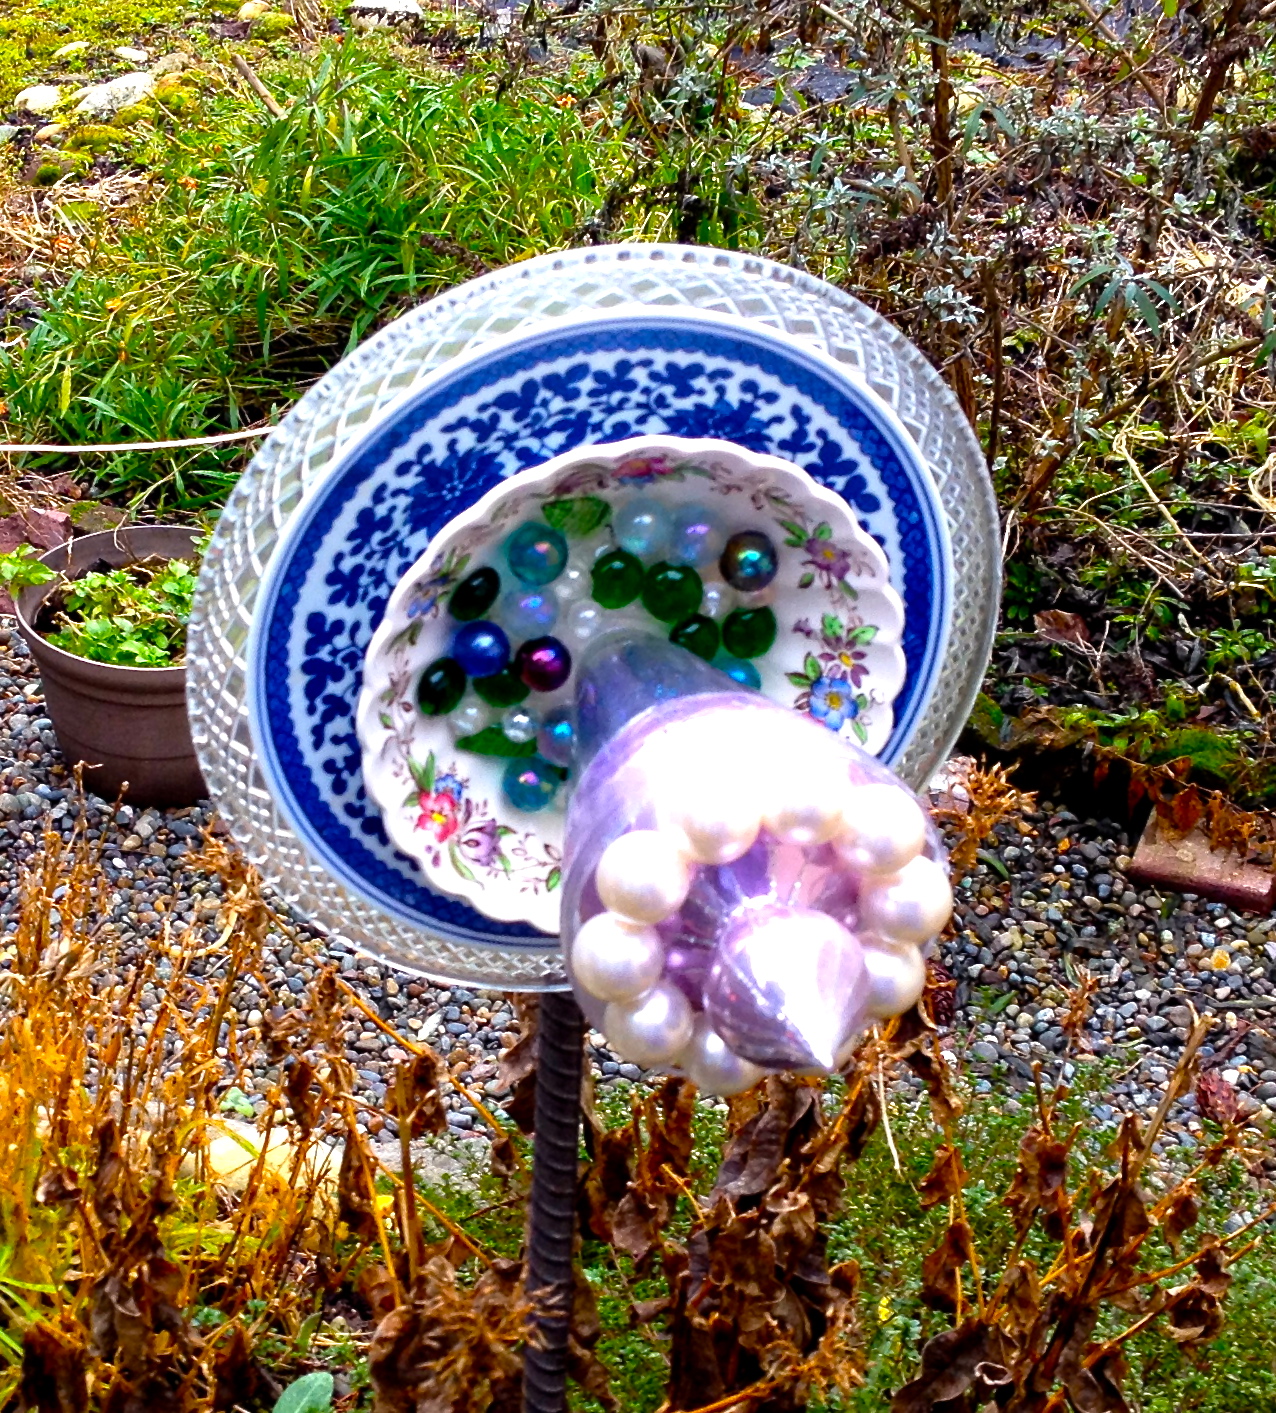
896, 978
469, 720
712, 1067
653, 1030
909, 906
883, 827
806, 805
720, 819
616, 960
584, 619
643, 875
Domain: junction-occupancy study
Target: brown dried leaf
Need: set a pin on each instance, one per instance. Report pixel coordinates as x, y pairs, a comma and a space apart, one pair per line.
946, 1178
305, 1097
1038, 1183
1021, 1306
1056, 626
54, 1377
1193, 1315
941, 1268
1212, 1270
415, 1097
949, 1361
1216, 1099
59, 1187
1182, 1213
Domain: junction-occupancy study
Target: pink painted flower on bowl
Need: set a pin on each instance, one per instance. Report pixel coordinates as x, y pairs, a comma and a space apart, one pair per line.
440, 809
637, 470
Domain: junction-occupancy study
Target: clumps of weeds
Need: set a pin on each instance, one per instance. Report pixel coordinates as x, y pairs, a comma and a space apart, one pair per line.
135, 1274
730, 1257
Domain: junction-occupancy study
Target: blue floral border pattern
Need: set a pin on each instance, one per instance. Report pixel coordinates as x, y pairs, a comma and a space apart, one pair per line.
516, 407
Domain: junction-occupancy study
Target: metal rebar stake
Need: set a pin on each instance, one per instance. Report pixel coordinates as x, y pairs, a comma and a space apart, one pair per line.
555, 1148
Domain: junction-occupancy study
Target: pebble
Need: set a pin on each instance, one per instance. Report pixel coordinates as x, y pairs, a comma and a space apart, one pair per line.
1018, 928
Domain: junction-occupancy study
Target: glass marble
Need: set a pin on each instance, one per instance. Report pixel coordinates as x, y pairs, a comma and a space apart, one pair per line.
749, 561
696, 536
481, 648
502, 689
699, 635
738, 670
556, 739
530, 783
584, 620
544, 664
469, 720
749, 632
671, 591
617, 578
441, 687
520, 724
718, 600
474, 595
642, 527
572, 584
536, 553
527, 613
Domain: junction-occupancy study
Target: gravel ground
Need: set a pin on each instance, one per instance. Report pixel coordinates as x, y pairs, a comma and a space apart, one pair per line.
1048, 896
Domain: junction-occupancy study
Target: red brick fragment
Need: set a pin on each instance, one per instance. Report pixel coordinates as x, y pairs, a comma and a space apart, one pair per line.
1189, 865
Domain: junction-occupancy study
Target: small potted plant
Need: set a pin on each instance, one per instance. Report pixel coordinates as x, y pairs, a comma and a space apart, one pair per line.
105, 618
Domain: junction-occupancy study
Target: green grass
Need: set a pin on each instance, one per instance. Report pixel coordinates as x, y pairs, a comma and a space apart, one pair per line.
271, 247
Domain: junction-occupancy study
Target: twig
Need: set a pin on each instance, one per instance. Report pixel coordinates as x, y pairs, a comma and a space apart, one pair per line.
277, 110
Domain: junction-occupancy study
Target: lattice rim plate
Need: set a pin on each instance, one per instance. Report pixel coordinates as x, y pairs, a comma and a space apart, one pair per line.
345, 402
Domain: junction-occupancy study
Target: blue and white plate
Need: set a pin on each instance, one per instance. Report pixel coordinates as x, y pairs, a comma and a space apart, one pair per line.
513, 404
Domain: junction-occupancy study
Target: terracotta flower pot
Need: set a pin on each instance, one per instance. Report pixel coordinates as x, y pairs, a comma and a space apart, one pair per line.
125, 723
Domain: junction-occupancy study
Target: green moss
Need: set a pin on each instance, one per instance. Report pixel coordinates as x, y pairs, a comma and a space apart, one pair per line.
92, 137
272, 25
32, 30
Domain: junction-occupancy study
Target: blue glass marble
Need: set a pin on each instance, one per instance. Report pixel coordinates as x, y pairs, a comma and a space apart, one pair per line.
481, 648
739, 670
530, 783
556, 740
697, 535
642, 527
536, 553
529, 613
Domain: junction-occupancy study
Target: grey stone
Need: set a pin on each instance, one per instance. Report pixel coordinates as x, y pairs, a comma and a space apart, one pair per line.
40, 98
984, 1050
103, 100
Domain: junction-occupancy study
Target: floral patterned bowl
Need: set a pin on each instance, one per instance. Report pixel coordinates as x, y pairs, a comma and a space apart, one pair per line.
837, 654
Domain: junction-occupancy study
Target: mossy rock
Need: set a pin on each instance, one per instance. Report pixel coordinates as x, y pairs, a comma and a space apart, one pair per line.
47, 173
132, 115
94, 138
273, 25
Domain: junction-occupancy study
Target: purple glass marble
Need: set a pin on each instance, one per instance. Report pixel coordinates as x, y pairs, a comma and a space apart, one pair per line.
544, 664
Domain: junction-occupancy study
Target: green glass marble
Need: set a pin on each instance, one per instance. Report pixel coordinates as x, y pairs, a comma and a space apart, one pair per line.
617, 578
441, 687
749, 632
671, 591
474, 595
502, 689
699, 635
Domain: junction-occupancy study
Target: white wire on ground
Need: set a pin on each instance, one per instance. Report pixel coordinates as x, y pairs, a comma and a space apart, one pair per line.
16, 448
